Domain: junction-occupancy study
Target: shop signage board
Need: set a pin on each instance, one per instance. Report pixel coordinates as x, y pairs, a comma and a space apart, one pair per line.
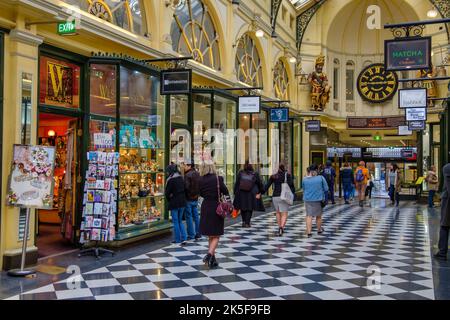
412, 98
416, 125
416, 114
31, 179
103, 140
312, 126
249, 104
176, 81
404, 131
67, 28
407, 54
407, 153
367, 154
375, 122
279, 115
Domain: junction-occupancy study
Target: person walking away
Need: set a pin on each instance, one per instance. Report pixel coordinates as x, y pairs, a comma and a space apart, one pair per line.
445, 215
211, 224
329, 173
361, 178
248, 189
394, 184
433, 185
192, 188
347, 181
369, 187
314, 188
281, 206
176, 199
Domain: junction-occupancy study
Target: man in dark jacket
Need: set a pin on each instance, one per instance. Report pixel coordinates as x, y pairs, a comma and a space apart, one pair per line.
347, 181
176, 199
192, 188
330, 175
445, 215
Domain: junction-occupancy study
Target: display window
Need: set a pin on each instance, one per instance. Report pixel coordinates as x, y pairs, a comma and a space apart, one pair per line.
135, 127
59, 83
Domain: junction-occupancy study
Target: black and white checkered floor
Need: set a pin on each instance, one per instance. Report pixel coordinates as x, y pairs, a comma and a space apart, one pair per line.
374, 253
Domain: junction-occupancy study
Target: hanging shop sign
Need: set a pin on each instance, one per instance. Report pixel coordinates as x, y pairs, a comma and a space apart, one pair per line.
376, 85
407, 153
412, 98
176, 81
416, 114
416, 125
279, 115
375, 122
404, 131
312, 126
66, 28
407, 54
31, 178
249, 104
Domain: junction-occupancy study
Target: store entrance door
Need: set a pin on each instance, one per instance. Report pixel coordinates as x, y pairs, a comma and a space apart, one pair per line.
56, 226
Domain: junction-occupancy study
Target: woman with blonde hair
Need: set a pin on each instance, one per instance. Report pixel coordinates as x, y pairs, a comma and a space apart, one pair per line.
211, 224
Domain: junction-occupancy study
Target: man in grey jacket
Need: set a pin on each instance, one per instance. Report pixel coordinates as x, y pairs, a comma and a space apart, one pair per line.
445, 215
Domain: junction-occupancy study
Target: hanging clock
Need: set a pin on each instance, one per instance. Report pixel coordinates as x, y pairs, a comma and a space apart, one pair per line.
100, 9
377, 85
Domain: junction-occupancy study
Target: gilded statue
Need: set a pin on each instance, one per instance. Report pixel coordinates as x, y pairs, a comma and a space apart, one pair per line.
320, 89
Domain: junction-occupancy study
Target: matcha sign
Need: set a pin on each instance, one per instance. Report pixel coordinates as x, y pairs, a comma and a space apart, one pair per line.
407, 54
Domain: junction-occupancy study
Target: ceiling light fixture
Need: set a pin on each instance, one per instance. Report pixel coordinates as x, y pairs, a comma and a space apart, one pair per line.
259, 33
432, 13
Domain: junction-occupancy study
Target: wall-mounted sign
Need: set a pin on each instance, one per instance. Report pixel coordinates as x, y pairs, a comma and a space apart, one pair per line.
416, 125
176, 81
66, 28
375, 85
367, 155
416, 114
312, 126
249, 104
31, 181
407, 54
279, 115
404, 131
375, 122
412, 98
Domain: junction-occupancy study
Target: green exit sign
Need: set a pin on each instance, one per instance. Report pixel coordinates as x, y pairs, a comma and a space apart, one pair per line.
67, 28
377, 138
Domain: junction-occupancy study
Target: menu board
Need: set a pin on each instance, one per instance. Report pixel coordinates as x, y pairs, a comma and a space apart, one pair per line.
31, 179
375, 122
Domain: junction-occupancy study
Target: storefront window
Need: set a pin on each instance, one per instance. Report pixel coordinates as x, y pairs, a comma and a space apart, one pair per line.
103, 90
297, 172
225, 119
141, 143
259, 123
286, 144
179, 110
243, 140
59, 83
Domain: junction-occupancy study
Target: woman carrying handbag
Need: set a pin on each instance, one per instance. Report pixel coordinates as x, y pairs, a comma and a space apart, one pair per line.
213, 210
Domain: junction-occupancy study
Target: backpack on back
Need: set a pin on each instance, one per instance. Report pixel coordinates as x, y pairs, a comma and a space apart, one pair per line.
247, 181
359, 175
328, 175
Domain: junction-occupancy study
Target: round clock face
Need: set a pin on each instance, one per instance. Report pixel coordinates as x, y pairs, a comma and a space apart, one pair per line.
376, 85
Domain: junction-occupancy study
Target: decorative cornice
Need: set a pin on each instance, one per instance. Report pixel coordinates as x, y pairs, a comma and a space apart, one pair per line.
25, 37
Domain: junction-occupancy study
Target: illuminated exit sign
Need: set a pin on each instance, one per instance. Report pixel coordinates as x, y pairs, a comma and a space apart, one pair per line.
67, 28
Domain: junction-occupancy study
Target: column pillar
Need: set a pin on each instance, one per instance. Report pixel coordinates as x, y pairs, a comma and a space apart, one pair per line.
21, 57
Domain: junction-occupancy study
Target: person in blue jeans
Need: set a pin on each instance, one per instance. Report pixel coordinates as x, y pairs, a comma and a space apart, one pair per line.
192, 189
176, 199
347, 181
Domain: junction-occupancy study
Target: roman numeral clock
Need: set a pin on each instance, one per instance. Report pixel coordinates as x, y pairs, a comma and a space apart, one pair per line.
376, 85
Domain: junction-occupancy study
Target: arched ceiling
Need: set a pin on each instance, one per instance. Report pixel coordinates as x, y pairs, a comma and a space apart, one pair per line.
348, 32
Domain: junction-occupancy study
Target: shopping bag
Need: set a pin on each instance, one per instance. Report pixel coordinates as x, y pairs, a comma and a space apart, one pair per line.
286, 193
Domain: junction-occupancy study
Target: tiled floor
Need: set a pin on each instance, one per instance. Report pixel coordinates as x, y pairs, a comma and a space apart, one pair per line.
371, 253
